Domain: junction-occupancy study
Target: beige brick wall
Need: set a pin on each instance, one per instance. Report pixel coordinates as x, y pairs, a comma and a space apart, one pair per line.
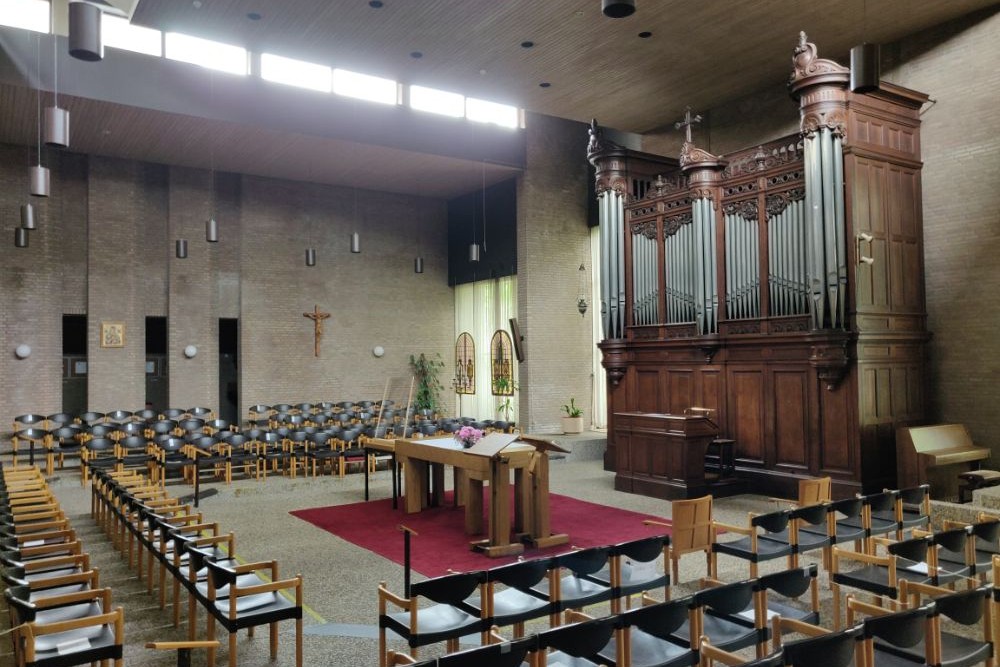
105, 248
552, 240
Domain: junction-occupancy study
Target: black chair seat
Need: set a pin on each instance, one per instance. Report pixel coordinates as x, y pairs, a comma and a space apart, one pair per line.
513, 606
253, 610
560, 659
576, 591
68, 613
727, 633
956, 651
435, 623
651, 651
766, 549
93, 643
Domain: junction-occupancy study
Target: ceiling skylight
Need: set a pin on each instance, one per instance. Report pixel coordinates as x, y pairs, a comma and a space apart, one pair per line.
295, 72
482, 111
117, 32
364, 86
205, 52
25, 14
437, 101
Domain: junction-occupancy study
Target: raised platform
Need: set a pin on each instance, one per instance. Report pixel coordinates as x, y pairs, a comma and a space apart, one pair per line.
586, 446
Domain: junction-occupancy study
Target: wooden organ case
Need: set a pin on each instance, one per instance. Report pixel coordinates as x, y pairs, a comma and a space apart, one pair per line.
781, 286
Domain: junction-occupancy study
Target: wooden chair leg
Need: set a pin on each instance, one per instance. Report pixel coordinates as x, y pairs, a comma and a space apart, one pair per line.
298, 642
232, 649
274, 640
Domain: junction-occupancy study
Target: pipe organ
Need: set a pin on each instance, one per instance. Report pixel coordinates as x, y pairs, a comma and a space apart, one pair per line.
733, 282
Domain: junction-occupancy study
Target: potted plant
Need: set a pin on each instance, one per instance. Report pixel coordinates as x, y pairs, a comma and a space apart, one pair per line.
504, 389
573, 421
426, 370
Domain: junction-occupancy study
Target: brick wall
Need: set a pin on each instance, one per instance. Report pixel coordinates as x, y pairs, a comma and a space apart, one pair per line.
552, 241
960, 134
105, 248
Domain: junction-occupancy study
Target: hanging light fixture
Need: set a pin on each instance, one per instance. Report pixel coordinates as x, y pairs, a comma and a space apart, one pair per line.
581, 301
85, 31
418, 264
181, 248
56, 118
355, 243
474, 247
617, 9
39, 175
865, 66
27, 216
20, 237
212, 230
310, 256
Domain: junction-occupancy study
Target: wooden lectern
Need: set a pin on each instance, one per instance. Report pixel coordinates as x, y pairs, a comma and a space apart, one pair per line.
662, 455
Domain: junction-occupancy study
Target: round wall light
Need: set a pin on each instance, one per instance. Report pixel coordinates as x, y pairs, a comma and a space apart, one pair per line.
190, 351
378, 351
22, 351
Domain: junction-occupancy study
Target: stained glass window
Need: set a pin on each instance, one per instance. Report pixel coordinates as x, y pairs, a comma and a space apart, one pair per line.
501, 360
465, 364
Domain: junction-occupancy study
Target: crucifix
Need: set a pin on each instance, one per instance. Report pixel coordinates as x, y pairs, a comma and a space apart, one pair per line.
317, 317
688, 121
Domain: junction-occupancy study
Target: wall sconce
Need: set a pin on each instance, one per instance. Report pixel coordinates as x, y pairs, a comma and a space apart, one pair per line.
581, 301
22, 351
190, 351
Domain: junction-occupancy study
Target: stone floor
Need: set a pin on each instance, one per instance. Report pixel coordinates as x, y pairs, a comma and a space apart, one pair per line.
340, 578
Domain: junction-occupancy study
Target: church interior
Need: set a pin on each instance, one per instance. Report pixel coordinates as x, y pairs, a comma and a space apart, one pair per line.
627, 332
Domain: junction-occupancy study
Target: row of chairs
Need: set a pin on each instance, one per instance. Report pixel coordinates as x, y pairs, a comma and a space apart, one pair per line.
680, 632
511, 595
173, 546
60, 616
789, 532
668, 632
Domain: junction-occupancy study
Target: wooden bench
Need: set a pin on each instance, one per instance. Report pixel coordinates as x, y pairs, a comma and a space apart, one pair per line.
976, 479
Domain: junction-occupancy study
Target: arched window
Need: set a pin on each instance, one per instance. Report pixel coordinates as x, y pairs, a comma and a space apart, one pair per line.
502, 364
465, 364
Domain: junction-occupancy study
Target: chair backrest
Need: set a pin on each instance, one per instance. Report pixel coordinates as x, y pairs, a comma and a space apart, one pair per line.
815, 490
691, 524
644, 550
579, 639
522, 575
772, 522
585, 561
661, 619
450, 588
835, 649
728, 599
881, 502
850, 508
904, 628
964, 607
504, 654
914, 549
814, 515
789, 583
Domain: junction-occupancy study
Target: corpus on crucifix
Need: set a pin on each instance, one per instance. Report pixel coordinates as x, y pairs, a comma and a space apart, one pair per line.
317, 317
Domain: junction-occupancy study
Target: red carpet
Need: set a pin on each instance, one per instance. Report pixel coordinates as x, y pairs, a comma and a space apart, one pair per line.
441, 543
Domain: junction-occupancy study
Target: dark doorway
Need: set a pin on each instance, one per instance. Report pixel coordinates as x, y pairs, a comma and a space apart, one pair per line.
74, 377
229, 378
157, 372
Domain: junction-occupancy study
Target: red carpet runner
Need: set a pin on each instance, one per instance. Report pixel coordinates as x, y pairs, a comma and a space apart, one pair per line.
441, 543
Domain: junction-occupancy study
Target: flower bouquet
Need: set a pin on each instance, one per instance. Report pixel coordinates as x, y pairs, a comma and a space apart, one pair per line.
468, 436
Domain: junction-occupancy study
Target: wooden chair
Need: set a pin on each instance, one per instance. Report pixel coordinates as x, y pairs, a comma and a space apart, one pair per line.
646, 636
967, 608
812, 491
764, 538
633, 569
902, 631
778, 594
448, 619
238, 607
691, 529
577, 644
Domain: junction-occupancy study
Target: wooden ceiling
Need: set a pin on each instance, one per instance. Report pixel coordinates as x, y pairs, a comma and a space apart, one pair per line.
701, 54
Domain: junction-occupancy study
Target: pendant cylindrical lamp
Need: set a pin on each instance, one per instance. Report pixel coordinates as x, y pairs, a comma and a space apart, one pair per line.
20, 237
181, 249
418, 265
864, 68
310, 256
27, 216
355, 243
40, 181
212, 230
617, 9
57, 127
85, 31
473, 252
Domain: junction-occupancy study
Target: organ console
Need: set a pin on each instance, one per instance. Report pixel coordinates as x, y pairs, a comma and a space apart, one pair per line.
936, 455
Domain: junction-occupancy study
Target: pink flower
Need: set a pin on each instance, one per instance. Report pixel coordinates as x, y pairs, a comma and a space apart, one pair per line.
468, 436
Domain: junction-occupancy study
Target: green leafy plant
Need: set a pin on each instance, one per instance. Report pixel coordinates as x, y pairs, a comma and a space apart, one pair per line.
427, 370
571, 410
504, 387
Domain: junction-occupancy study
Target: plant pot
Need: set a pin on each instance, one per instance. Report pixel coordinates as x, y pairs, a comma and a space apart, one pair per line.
572, 424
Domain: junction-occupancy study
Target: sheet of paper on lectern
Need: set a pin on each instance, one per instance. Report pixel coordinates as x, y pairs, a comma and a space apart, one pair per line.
492, 444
